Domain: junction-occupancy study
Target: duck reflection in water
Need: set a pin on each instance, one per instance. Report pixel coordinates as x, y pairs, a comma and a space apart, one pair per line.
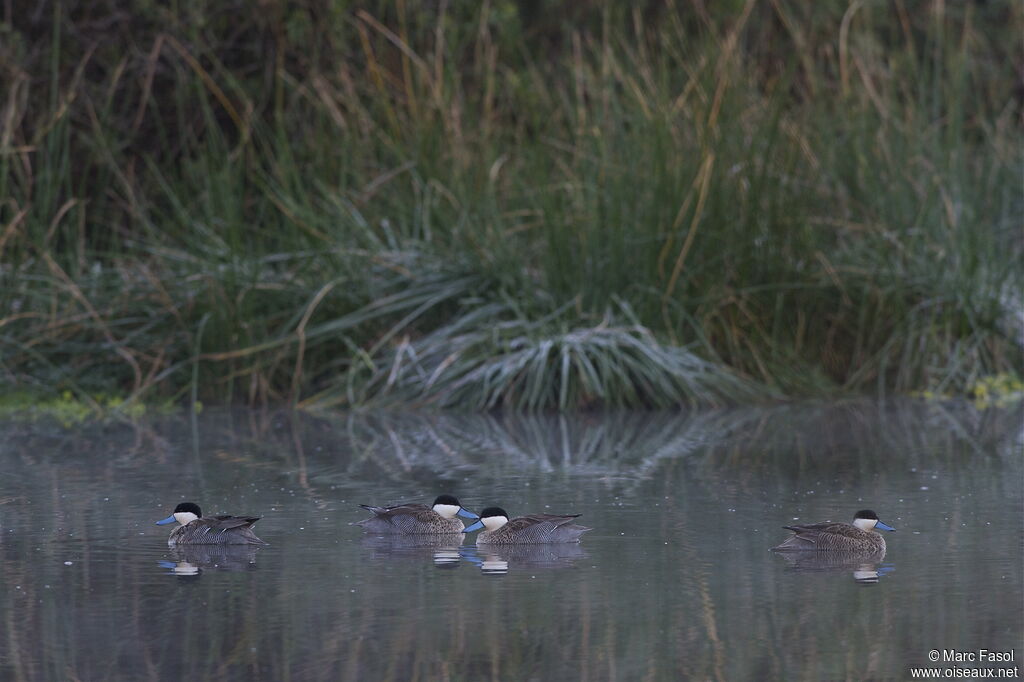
442, 549
190, 560
499, 559
865, 567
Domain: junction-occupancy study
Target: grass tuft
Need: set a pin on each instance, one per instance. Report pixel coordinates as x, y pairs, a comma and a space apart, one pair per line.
485, 361
324, 204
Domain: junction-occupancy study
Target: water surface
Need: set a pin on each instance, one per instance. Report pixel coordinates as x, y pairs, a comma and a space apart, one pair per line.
674, 582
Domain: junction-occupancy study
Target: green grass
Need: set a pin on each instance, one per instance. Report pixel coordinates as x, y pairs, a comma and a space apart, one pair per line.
522, 205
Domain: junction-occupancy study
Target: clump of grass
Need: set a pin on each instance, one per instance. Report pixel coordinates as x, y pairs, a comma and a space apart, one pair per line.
340, 205
488, 359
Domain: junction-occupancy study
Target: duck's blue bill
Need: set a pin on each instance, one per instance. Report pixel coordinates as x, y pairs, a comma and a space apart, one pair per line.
476, 526
882, 526
169, 519
466, 514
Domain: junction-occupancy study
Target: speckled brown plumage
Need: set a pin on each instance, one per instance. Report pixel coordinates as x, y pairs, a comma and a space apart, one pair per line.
533, 529
409, 519
831, 537
217, 530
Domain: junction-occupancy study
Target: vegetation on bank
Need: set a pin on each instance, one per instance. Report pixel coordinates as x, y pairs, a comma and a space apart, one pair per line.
524, 204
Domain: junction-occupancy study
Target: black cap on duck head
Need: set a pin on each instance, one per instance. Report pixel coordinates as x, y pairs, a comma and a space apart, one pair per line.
866, 519
188, 507
447, 499
491, 512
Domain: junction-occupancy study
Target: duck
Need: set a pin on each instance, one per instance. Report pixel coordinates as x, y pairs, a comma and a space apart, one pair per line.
417, 519
195, 529
525, 530
838, 537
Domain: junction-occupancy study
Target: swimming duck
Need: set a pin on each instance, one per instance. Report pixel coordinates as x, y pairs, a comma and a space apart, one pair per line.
417, 519
838, 537
532, 529
213, 530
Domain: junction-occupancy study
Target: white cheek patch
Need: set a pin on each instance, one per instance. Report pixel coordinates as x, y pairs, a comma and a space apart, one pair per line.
448, 511
493, 523
185, 518
865, 524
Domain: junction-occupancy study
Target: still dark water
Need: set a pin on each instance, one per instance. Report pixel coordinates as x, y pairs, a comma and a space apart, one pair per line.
674, 582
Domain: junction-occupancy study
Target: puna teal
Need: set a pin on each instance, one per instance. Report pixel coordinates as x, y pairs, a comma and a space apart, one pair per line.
860, 536
525, 530
195, 529
417, 519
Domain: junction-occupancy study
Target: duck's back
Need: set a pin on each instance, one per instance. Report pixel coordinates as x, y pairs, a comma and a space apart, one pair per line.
217, 530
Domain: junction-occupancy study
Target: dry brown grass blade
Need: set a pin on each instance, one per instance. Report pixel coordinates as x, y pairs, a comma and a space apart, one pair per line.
704, 177
147, 81
371, 188
243, 128
377, 74
55, 221
725, 63
14, 110
76, 292
10, 229
300, 332
395, 40
844, 46
69, 96
324, 89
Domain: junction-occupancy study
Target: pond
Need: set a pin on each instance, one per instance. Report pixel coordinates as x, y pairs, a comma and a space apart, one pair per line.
675, 581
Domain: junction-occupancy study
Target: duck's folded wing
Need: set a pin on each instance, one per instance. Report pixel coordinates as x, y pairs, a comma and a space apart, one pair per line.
397, 510
539, 525
798, 541
818, 536
228, 522
405, 518
810, 528
558, 520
